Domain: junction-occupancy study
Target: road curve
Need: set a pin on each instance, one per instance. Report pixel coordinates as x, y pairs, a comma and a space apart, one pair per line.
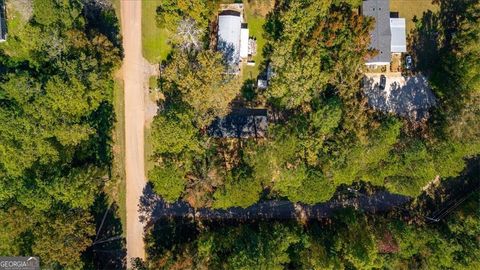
131, 12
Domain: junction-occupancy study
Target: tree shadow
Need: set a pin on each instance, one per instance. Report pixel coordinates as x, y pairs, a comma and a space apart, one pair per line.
411, 99
437, 45
425, 44
432, 38
102, 17
108, 250
442, 198
230, 55
169, 235
98, 149
153, 207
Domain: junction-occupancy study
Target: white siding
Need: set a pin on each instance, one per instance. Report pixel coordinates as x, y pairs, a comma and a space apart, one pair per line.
244, 43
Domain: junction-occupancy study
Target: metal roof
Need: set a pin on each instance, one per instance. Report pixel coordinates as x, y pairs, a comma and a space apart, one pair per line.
229, 24
399, 38
240, 123
381, 35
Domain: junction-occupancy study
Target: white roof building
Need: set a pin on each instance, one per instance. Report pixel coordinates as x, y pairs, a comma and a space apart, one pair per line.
399, 39
233, 36
229, 24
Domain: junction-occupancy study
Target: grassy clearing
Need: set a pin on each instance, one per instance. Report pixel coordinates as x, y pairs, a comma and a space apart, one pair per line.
118, 192
255, 16
149, 164
409, 9
16, 22
154, 39
153, 82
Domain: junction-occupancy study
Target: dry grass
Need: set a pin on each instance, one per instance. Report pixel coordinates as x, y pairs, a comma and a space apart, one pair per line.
260, 8
396, 63
410, 9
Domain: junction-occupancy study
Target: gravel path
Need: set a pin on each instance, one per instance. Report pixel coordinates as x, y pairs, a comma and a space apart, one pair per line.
134, 80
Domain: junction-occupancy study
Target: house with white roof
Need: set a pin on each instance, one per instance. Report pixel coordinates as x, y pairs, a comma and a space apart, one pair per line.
389, 34
233, 37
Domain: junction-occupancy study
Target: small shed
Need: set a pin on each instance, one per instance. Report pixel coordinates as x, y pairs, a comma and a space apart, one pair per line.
262, 83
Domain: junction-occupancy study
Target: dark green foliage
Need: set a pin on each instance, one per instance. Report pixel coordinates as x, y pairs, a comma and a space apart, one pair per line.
348, 240
326, 135
174, 135
56, 115
240, 189
170, 12
300, 185
168, 182
320, 45
61, 240
317, 51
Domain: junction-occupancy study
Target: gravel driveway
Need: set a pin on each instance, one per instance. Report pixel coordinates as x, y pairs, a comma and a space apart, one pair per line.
406, 96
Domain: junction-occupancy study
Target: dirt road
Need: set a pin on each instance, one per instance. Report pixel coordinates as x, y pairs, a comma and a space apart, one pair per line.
133, 75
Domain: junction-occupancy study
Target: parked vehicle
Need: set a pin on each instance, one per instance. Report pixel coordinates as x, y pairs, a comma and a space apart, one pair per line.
383, 82
408, 62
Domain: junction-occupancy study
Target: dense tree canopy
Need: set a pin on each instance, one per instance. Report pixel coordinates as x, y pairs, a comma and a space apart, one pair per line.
324, 134
171, 12
349, 240
56, 114
202, 81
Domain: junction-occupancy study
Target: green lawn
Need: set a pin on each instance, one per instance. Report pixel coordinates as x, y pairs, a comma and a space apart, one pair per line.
408, 9
149, 163
255, 26
118, 192
154, 39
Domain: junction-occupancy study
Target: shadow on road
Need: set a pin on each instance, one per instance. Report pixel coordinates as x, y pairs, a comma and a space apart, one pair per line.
153, 208
108, 250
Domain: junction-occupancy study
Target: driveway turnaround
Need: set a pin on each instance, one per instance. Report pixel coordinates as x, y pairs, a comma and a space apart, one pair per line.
406, 96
